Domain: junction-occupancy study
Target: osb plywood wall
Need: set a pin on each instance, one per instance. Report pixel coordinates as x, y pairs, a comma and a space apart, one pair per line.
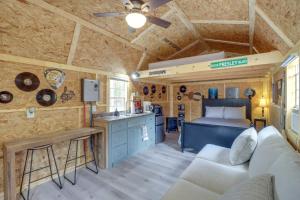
193, 109
61, 116
156, 98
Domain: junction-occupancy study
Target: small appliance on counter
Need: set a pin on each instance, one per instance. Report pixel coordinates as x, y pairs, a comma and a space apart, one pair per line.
181, 114
136, 104
159, 123
147, 106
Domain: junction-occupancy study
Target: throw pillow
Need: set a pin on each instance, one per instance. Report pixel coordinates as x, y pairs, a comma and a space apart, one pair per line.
243, 147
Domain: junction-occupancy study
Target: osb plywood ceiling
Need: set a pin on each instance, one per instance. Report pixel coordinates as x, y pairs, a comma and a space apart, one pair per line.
66, 31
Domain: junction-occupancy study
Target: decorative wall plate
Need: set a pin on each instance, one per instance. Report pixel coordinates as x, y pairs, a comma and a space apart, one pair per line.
163, 89
46, 97
27, 81
54, 77
67, 95
146, 90
153, 89
182, 89
249, 92
6, 97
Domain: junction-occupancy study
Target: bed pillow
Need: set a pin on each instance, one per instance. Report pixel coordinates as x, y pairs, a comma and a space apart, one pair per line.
243, 147
258, 188
214, 112
235, 112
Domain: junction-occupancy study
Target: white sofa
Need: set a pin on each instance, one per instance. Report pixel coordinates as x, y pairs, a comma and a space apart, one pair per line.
211, 174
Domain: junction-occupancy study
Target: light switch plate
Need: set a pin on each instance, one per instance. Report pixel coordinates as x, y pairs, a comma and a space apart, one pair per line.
94, 108
30, 112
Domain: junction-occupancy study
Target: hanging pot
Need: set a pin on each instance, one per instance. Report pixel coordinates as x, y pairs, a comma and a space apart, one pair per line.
153, 89
146, 90
178, 97
163, 89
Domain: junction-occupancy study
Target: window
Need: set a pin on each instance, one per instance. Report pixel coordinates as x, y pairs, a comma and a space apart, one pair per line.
292, 93
118, 90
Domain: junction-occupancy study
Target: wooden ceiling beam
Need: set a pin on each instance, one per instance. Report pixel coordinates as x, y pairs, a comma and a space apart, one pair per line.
226, 42
141, 61
275, 28
183, 49
273, 57
229, 22
74, 43
185, 20
223, 72
251, 24
43, 63
83, 22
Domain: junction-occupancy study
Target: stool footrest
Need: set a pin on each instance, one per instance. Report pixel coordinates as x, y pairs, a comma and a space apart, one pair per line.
37, 169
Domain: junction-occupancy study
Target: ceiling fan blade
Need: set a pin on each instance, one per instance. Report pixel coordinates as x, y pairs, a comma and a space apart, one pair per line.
159, 22
109, 14
131, 30
153, 4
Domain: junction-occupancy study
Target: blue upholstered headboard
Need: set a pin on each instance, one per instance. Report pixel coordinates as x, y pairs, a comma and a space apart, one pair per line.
228, 103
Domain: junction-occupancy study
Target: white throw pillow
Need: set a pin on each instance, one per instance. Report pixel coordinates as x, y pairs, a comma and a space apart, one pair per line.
214, 112
257, 188
235, 112
243, 146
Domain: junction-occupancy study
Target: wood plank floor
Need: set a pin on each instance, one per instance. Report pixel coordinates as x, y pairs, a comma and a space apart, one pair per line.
145, 176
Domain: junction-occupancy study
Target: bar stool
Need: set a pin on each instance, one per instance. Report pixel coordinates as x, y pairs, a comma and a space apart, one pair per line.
77, 140
32, 150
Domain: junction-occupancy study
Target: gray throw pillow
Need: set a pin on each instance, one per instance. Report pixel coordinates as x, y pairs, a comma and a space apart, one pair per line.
257, 188
243, 147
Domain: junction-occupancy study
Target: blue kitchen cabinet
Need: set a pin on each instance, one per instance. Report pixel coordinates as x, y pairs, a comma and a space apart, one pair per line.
125, 137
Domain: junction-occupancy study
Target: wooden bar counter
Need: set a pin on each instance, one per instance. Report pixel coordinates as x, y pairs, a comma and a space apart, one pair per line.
11, 148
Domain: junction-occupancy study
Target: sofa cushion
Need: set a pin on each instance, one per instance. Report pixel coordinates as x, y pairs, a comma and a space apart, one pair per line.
219, 155
266, 153
185, 190
213, 176
267, 132
286, 171
258, 188
243, 147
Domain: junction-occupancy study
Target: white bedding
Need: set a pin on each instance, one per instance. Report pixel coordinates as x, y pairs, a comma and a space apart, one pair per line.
244, 123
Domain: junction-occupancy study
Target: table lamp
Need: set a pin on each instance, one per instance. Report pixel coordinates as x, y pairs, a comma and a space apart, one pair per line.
262, 104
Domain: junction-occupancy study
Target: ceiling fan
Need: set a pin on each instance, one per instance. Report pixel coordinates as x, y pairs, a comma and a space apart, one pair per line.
137, 13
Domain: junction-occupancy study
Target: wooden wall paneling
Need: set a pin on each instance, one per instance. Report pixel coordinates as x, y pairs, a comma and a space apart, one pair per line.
265, 39
215, 9
285, 15
29, 31
235, 33
100, 52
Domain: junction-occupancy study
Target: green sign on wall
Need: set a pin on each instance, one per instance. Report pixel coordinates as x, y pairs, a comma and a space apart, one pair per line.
229, 63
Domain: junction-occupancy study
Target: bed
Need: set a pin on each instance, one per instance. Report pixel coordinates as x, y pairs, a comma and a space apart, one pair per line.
208, 130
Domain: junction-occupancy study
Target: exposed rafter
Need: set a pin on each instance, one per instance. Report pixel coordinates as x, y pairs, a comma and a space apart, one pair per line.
251, 24
74, 43
173, 5
226, 42
233, 22
184, 49
138, 67
275, 28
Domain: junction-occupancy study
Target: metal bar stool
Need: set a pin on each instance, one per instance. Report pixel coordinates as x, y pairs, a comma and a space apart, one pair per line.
31, 151
76, 140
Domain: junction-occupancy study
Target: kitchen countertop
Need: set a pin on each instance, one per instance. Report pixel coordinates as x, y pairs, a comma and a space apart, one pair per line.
115, 118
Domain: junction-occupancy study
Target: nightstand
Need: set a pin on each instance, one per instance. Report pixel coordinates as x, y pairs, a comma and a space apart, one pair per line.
263, 120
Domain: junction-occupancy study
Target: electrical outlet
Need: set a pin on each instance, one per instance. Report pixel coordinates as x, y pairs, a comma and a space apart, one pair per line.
30, 112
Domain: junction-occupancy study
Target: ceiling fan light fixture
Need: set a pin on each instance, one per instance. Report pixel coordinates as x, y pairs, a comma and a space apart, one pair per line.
136, 20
